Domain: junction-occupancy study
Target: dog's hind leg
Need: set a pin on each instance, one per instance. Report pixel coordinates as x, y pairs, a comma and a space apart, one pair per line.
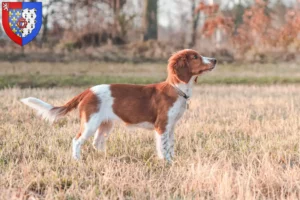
87, 130
102, 134
91, 119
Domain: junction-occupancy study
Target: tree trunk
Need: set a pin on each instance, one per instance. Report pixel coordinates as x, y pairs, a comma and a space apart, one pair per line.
116, 9
195, 17
45, 29
150, 20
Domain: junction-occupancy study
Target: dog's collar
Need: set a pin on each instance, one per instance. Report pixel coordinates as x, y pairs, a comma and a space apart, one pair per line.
181, 93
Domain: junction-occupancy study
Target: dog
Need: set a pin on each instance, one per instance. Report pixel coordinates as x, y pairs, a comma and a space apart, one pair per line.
155, 106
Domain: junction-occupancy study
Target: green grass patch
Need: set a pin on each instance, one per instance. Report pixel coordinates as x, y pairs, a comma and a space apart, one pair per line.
269, 80
47, 81
85, 74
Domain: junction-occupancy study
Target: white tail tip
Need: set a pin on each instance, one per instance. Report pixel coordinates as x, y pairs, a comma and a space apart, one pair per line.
41, 107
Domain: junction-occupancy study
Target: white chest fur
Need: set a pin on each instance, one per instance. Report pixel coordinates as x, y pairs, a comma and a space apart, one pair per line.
177, 110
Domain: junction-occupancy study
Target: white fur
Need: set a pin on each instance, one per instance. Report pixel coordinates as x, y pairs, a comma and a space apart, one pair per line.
187, 88
76, 149
105, 113
206, 60
99, 140
174, 114
165, 148
165, 141
101, 136
145, 125
172, 142
159, 147
41, 107
106, 101
89, 129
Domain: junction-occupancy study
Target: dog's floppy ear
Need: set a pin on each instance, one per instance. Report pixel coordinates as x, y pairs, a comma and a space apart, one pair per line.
181, 69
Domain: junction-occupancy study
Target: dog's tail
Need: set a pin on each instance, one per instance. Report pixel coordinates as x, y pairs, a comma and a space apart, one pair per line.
50, 112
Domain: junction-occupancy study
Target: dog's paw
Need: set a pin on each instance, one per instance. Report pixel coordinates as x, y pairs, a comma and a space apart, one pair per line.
75, 149
99, 145
76, 157
169, 160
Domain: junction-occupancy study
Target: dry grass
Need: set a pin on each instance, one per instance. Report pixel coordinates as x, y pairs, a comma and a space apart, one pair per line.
236, 142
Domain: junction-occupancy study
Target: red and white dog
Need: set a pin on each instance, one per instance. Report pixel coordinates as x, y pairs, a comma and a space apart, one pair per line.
155, 106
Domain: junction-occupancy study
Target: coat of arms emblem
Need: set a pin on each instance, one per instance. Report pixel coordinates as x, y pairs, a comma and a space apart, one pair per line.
22, 21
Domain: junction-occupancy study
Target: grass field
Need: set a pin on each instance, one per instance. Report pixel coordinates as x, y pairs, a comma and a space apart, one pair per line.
86, 74
235, 142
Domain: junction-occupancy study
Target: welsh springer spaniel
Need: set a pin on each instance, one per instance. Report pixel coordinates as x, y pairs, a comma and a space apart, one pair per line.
156, 106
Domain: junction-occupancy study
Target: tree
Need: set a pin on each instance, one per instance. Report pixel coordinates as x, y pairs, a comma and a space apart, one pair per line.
150, 20
195, 20
215, 22
46, 14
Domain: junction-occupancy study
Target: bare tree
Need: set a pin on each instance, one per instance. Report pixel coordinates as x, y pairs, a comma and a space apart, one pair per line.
195, 21
46, 14
150, 20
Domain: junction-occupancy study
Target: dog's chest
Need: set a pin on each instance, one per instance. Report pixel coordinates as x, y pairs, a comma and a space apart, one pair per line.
177, 110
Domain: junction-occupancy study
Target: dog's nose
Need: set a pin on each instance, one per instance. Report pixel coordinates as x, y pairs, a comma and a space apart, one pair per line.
214, 61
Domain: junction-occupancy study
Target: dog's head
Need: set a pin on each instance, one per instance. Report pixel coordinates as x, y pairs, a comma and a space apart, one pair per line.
187, 63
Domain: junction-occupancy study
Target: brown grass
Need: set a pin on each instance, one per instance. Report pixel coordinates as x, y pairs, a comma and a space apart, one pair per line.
235, 142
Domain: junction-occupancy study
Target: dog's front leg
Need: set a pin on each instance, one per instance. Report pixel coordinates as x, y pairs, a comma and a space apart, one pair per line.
163, 145
172, 142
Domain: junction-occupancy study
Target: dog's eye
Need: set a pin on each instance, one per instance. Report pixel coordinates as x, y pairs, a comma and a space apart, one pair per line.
195, 57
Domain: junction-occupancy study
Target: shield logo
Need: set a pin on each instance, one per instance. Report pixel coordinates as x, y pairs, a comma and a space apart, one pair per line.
22, 21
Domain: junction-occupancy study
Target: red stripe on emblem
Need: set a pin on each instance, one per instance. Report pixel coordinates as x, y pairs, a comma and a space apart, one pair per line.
14, 5
5, 20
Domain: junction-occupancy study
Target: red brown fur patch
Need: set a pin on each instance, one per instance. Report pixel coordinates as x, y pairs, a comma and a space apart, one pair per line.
138, 103
177, 68
70, 105
89, 105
